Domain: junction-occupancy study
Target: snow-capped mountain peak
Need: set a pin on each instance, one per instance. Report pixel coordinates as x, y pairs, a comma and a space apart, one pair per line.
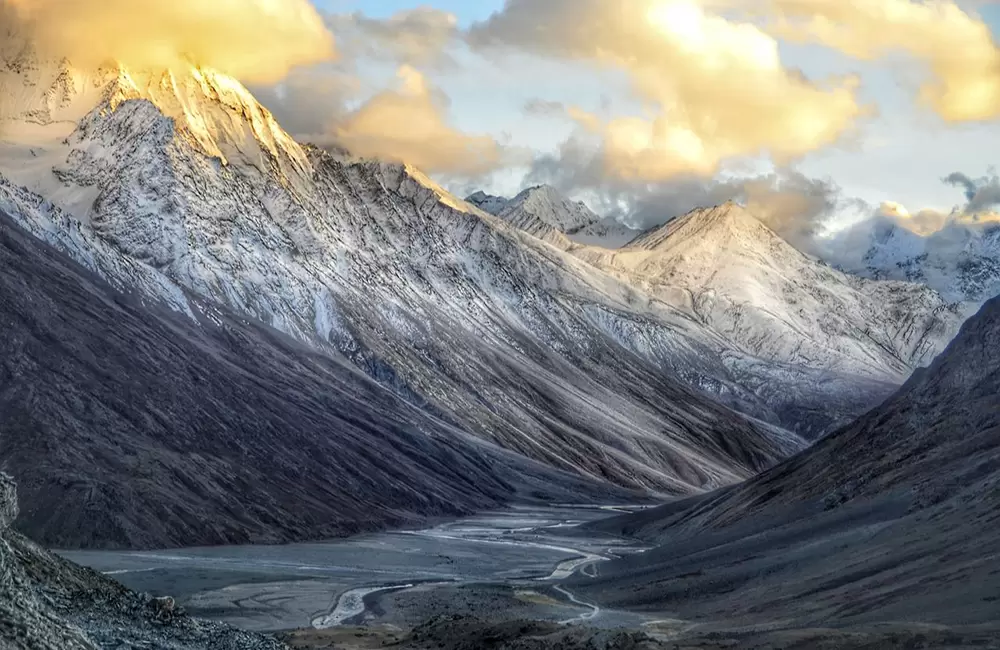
488, 202
217, 112
724, 227
743, 280
961, 261
546, 213
547, 205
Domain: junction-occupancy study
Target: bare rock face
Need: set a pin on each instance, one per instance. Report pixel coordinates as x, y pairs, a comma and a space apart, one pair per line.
25, 621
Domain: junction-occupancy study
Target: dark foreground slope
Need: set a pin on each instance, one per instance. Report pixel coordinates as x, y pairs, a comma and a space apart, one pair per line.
894, 518
131, 426
47, 603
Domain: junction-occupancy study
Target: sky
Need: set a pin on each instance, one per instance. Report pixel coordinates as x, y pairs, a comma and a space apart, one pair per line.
896, 155
467, 11
815, 112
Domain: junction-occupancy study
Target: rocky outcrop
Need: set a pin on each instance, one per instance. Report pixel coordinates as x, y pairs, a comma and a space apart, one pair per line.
47, 603
8, 502
25, 622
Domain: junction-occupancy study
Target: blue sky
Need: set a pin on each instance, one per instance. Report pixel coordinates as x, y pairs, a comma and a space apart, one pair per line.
466, 10
902, 156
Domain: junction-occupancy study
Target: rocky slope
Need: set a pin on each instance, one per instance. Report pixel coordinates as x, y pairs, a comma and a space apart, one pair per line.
47, 603
891, 518
463, 633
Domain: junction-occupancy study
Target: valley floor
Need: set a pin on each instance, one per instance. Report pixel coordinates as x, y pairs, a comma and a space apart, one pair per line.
490, 581
496, 566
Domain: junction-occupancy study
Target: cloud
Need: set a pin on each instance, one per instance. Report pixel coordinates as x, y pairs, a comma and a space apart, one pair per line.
543, 108
943, 230
954, 44
980, 194
416, 37
941, 234
792, 204
712, 89
310, 101
797, 207
409, 124
922, 222
334, 105
961, 180
893, 210
254, 40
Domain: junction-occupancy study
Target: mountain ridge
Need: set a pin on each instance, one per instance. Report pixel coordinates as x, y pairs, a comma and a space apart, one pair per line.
116, 412
739, 279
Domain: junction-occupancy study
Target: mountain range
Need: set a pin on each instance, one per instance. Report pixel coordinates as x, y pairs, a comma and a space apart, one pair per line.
182, 193
215, 334
363, 299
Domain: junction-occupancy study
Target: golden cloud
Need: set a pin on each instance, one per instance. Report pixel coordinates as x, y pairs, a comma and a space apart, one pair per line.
956, 46
714, 89
411, 36
929, 221
409, 125
923, 222
254, 40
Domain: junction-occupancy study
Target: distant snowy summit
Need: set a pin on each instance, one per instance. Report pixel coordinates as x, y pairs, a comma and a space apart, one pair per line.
488, 202
546, 213
741, 281
961, 261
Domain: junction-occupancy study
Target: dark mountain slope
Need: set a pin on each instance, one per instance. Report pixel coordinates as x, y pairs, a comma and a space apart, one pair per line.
133, 426
894, 517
